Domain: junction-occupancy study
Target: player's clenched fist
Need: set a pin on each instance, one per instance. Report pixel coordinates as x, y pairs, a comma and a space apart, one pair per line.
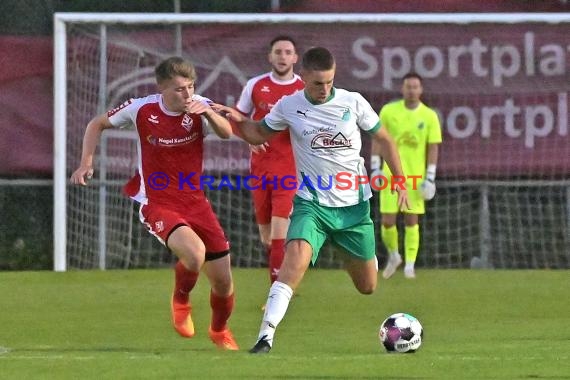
80, 175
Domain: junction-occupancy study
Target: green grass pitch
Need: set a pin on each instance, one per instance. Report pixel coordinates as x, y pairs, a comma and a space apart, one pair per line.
116, 325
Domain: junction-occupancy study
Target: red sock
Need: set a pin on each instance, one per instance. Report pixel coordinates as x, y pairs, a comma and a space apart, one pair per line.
276, 258
221, 310
184, 281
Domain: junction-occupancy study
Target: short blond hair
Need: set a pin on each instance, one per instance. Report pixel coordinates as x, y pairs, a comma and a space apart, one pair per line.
172, 67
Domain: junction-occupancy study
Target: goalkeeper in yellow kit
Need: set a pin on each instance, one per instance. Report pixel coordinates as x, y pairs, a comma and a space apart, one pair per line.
416, 130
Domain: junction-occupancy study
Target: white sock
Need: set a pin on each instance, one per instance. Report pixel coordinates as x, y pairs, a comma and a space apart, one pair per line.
409, 266
275, 309
394, 255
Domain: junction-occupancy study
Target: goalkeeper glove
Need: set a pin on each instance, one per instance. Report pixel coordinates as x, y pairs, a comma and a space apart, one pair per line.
427, 187
375, 171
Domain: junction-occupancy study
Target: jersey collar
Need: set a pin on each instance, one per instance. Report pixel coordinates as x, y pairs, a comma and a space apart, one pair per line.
313, 102
165, 110
276, 80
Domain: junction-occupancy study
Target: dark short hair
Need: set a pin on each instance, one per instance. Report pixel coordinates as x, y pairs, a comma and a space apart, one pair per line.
318, 59
172, 67
412, 75
282, 37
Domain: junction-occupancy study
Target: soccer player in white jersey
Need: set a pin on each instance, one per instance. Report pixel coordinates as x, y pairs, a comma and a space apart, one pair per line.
416, 130
171, 126
273, 160
325, 124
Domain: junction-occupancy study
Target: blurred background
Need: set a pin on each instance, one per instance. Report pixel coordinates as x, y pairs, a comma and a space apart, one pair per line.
26, 141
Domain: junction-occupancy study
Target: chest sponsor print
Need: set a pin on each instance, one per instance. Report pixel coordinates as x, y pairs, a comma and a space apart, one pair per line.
330, 141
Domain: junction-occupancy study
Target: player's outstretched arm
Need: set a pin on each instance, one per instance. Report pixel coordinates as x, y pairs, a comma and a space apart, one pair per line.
390, 154
90, 140
251, 131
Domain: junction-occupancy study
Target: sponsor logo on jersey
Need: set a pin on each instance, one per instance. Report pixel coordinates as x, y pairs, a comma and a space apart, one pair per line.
151, 140
328, 141
264, 106
117, 109
421, 125
265, 89
173, 141
187, 122
318, 130
153, 119
408, 139
304, 113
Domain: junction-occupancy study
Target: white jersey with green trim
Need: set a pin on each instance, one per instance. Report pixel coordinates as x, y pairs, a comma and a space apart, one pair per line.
326, 143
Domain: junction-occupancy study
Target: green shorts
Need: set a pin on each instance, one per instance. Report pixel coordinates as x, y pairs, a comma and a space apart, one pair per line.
389, 202
350, 227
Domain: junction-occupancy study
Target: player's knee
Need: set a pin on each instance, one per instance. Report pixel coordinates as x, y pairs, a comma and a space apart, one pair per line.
223, 287
192, 256
366, 287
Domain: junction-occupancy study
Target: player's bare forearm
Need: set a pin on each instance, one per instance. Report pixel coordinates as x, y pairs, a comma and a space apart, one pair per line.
389, 151
251, 131
375, 148
432, 154
220, 125
91, 138
390, 154
90, 141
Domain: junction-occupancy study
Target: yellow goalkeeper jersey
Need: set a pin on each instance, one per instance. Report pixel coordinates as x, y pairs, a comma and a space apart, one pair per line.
412, 130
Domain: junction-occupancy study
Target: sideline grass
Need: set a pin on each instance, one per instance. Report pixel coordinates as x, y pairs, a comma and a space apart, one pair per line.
116, 325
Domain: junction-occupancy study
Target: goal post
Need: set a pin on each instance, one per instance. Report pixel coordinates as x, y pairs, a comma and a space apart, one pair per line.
497, 81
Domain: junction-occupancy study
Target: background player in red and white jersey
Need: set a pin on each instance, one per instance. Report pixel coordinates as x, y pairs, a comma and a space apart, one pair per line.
273, 160
171, 126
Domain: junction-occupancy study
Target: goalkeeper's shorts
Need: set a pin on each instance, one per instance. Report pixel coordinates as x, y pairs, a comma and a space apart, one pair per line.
389, 202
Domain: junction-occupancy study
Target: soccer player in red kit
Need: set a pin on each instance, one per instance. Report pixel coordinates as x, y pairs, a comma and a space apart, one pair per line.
273, 163
171, 126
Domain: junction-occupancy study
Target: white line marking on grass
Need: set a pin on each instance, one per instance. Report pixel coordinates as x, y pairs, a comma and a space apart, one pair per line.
4, 350
497, 358
48, 357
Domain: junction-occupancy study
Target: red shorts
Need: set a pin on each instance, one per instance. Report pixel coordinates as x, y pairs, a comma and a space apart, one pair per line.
162, 220
272, 198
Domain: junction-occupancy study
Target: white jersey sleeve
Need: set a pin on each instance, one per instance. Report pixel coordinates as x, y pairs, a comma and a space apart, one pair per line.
125, 115
366, 117
277, 119
245, 102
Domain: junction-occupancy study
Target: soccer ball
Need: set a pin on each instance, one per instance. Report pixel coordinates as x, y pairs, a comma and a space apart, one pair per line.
401, 332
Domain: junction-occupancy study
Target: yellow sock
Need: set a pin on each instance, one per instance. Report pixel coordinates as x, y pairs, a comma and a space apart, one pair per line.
390, 238
412, 242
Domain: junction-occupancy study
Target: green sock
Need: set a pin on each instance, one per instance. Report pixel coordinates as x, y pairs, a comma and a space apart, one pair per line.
412, 242
390, 238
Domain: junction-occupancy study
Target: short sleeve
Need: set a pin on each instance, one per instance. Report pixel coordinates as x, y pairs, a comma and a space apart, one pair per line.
125, 114
276, 119
434, 132
245, 101
366, 118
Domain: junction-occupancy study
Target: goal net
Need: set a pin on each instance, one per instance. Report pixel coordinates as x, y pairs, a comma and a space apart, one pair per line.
499, 83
